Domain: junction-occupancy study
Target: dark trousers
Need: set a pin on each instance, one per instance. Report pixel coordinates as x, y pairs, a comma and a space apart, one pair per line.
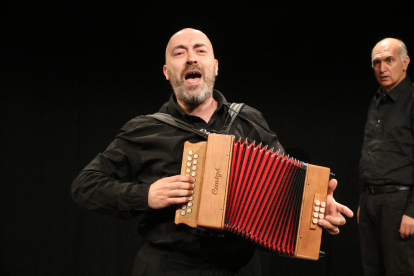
383, 250
155, 261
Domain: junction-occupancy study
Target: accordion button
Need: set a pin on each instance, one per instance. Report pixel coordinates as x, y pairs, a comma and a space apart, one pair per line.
190, 204
188, 170
194, 168
190, 152
315, 221
193, 186
184, 206
321, 216
193, 174
195, 162
323, 204
182, 213
196, 155
189, 158
315, 215
317, 208
189, 210
191, 197
188, 164
317, 203
322, 210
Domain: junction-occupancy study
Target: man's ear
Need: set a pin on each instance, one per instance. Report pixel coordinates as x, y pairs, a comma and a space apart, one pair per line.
406, 62
216, 62
164, 68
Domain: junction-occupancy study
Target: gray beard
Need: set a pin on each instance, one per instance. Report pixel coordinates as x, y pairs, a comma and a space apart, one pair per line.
191, 97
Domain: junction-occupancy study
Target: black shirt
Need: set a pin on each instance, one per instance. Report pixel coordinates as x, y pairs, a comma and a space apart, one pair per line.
117, 181
388, 148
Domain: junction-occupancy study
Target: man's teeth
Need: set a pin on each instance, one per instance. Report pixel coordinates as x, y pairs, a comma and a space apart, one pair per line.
193, 76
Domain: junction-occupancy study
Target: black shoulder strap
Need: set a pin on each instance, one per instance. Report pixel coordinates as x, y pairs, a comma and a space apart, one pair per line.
234, 110
170, 120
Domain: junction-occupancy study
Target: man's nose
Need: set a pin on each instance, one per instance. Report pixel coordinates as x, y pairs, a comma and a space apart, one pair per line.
191, 59
383, 67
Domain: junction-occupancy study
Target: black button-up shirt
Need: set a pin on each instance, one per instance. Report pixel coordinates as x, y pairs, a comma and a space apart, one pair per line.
117, 181
388, 148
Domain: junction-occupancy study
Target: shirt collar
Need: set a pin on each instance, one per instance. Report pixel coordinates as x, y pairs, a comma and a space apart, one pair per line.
397, 90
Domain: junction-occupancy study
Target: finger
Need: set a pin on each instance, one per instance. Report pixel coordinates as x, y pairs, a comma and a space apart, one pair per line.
344, 210
181, 186
358, 215
332, 229
411, 230
178, 200
332, 186
181, 178
180, 193
336, 220
405, 231
402, 232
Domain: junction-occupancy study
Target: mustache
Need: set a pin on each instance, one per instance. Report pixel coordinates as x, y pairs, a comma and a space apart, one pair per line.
191, 68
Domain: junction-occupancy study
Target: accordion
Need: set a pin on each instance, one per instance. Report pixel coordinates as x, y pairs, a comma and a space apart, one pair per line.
269, 198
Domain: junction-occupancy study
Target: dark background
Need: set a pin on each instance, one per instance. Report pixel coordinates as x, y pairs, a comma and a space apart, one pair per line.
73, 72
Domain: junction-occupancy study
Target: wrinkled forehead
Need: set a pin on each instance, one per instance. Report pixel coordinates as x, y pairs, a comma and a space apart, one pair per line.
386, 48
187, 38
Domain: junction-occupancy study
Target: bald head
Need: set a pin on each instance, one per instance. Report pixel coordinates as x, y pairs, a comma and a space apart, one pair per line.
187, 34
393, 42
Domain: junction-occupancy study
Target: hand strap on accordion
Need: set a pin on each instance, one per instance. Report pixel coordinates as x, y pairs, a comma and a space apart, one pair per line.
234, 110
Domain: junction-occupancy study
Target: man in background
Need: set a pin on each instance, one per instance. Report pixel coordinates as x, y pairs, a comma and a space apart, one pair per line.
386, 211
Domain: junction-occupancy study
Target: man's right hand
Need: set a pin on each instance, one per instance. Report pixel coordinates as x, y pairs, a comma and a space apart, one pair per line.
170, 190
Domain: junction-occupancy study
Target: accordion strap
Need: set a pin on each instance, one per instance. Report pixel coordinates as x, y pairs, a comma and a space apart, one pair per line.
234, 110
170, 120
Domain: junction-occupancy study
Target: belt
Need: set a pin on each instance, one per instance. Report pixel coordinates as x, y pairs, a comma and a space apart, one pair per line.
372, 190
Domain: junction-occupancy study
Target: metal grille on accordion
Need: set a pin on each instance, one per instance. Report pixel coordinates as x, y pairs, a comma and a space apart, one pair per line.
250, 190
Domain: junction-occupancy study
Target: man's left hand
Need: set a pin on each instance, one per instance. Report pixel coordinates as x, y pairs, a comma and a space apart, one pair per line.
333, 217
407, 226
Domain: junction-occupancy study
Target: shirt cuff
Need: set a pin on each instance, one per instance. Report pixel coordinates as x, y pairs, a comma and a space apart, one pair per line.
409, 210
134, 199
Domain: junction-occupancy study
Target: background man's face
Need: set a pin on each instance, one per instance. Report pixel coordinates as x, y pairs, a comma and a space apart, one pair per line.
388, 68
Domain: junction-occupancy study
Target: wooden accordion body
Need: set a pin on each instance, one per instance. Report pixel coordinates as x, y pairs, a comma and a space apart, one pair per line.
269, 198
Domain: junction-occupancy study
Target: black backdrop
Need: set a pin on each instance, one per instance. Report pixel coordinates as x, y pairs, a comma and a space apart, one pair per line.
73, 72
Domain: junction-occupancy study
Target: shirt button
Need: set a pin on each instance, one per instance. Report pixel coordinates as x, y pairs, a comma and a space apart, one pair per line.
379, 121
369, 151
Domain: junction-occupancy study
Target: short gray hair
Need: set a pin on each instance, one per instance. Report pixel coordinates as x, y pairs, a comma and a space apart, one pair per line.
403, 50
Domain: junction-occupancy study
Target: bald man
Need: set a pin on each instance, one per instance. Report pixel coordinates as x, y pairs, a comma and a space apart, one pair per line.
139, 172
386, 213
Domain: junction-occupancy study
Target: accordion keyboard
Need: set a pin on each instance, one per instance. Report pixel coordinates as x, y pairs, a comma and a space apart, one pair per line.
192, 165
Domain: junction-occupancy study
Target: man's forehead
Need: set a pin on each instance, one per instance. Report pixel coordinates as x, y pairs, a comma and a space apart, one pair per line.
386, 47
188, 37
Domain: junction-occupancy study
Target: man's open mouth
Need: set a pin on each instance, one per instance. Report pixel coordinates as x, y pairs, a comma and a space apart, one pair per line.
192, 75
